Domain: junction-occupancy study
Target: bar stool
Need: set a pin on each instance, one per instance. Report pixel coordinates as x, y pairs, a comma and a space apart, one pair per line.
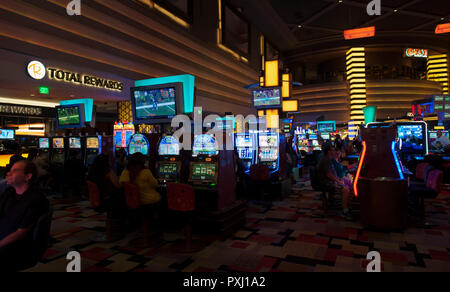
133, 200
181, 198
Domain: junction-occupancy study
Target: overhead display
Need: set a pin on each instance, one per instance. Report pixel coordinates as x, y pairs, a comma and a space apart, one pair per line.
267, 97
155, 103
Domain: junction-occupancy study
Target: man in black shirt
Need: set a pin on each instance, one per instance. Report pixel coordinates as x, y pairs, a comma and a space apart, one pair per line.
20, 208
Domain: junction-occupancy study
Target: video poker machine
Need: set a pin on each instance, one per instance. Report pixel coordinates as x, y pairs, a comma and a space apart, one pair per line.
268, 151
93, 148
168, 165
58, 151
380, 183
245, 144
44, 148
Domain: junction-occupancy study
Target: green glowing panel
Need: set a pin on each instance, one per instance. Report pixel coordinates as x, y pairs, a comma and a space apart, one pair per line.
188, 88
44, 90
370, 114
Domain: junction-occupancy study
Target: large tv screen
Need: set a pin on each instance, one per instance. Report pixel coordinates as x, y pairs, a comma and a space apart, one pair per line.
154, 103
326, 127
70, 116
267, 97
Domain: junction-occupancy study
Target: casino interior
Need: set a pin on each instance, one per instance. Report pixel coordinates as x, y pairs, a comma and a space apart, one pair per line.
317, 133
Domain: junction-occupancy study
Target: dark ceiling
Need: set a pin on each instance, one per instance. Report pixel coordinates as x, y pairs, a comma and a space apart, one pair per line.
303, 26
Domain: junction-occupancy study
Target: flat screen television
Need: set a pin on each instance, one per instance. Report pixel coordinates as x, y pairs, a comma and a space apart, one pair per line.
326, 127
7, 134
44, 143
74, 143
70, 116
267, 98
157, 102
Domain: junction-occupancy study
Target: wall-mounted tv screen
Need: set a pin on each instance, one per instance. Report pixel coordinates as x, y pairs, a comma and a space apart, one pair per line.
267, 97
326, 127
156, 102
7, 134
70, 116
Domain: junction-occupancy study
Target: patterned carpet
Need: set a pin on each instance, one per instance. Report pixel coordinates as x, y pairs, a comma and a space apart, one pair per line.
288, 236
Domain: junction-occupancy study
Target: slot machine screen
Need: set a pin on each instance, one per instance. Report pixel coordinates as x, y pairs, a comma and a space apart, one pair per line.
204, 145
203, 171
244, 141
269, 154
268, 141
92, 143
315, 143
44, 143
138, 143
325, 136
312, 137
412, 138
168, 169
58, 143
169, 146
118, 139
74, 143
245, 153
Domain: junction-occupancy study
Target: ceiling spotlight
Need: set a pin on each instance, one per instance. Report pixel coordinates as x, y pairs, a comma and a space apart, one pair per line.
340, 1
300, 26
31, 94
395, 10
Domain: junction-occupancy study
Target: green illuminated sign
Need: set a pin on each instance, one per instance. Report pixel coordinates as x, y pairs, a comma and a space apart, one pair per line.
44, 90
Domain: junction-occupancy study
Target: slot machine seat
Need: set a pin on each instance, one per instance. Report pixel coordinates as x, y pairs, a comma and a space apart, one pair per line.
181, 198
98, 205
145, 214
430, 191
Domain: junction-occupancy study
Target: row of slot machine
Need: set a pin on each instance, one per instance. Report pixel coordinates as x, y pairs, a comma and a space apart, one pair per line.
308, 142
58, 149
204, 168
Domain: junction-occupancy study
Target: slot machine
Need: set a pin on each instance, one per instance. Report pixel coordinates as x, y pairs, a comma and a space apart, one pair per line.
93, 148
138, 143
245, 144
58, 153
204, 164
75, 147
168, 165
268, 151
313, 144
122, 135
44, 148
379, 182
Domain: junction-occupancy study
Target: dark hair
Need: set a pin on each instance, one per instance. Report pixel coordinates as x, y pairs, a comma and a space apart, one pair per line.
98, 169
136, 163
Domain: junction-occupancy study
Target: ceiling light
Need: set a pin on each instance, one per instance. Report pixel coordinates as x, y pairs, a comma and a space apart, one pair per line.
340, 1
27, 102
395, 10
299, 26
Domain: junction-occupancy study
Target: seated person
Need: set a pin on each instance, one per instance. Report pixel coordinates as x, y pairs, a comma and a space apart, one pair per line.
137, 174
108, 184
331, 182
341, 171
21, 206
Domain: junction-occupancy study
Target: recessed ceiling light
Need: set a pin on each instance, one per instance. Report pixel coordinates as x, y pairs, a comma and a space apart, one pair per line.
300, 26
31, 94
340, 1
395, 10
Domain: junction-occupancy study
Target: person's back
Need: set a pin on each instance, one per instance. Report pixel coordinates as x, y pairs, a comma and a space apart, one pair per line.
325, 166
146, 183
